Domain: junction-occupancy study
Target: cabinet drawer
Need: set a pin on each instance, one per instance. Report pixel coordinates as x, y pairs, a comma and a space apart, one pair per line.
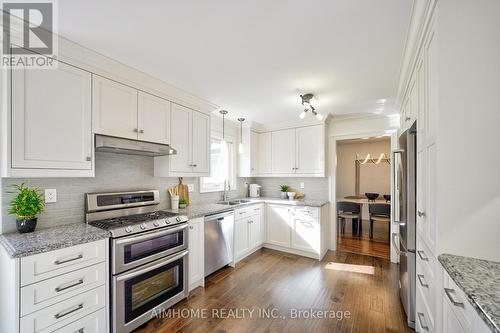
93, 323
306, 212
458, 302
427, 262
46, 265
39, 295
427, 288
423, 321
64, 312
247, 211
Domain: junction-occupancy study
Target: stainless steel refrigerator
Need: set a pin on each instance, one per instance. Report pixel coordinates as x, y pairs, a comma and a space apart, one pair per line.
405, 165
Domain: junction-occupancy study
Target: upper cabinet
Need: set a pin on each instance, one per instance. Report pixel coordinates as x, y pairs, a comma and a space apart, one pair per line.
284, 153
190, 136
125, 112
115, 108
51, 133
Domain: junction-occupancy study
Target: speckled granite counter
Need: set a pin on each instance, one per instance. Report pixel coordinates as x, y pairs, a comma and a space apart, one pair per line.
199, 210
480, 281
44, 240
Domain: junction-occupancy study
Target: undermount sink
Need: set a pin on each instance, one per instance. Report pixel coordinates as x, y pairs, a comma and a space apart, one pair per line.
233, 202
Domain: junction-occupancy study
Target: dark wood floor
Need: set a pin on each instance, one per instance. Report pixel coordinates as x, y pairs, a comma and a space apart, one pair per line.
364, 286
378, 246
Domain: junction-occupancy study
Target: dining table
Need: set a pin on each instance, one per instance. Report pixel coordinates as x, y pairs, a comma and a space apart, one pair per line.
365, 212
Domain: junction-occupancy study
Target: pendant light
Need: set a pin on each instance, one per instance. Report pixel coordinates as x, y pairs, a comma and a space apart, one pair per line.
223, 142
240, 147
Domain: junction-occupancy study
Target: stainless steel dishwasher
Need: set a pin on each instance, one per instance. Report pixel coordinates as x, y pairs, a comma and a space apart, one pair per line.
218, 241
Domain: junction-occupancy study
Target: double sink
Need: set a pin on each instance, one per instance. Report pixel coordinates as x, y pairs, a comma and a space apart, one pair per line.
233, 202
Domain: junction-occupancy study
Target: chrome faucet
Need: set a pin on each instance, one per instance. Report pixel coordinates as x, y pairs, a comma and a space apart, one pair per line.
227, 188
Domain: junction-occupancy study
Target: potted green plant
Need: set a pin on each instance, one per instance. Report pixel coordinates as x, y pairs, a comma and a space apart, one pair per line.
26, 205
182, 203
284, 189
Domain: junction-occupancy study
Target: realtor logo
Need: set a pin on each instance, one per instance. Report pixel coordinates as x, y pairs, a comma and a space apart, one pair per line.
30, 39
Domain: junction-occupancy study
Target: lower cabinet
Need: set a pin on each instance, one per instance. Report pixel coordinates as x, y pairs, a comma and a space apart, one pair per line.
248, 231
196, 275
301, 230
65, 290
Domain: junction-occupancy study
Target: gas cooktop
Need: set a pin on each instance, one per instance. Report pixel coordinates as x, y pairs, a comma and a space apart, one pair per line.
137, 223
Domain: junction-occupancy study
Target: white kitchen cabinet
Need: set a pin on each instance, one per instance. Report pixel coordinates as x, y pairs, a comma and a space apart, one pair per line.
310, 150
190, 136
248, 230
249, 158
153, 118
265, 154
201, 142
51, 131
283, 151
196, 236
279, 220
114, 107
306, 234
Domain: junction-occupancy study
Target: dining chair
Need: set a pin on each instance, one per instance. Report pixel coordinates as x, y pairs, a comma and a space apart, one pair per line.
380, 213
349, 210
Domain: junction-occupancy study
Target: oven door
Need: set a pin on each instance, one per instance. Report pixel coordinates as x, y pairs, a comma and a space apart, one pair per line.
140, 293
131, 252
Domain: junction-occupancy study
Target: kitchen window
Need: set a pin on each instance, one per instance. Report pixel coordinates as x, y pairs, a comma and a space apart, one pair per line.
222, 165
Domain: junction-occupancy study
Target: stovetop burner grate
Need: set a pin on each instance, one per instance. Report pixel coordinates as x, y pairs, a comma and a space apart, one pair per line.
115, 222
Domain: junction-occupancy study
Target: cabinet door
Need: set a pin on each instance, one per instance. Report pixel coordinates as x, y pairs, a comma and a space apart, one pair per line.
451, 324
196, 249
310, 144
306, 235
180, 139
265, 153
153, 118
255, 231
278, 225
254, 155
201, 142
51, 118
241, 245
114, 108
283, 151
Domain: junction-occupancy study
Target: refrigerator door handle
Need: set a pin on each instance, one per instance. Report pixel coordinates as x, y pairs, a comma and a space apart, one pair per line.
397, 185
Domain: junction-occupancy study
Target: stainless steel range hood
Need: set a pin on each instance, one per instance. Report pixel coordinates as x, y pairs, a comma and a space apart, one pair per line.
131, 147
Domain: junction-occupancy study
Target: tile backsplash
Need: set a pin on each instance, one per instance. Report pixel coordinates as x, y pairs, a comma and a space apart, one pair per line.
314, 188
113, 172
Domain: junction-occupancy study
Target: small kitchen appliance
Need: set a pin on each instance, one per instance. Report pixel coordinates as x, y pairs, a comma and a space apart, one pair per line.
255, 190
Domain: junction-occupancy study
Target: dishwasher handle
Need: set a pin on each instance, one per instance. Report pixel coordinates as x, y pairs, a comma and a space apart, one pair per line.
218, 216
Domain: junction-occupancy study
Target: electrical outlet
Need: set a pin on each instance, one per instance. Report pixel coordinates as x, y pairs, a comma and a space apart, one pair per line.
191, 187
50, 195
301, 185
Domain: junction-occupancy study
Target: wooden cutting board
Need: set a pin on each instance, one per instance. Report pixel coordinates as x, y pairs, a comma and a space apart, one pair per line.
183, 190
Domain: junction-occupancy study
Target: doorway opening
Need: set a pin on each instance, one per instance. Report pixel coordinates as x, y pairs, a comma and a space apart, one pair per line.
363, 188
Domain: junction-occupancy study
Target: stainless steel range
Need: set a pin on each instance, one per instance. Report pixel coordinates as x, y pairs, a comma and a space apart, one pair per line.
148, 254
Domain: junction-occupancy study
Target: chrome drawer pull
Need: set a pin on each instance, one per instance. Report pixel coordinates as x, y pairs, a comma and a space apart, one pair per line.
422, 256
58, 289
448, 293
80, 330
59, 262
67, 312
420, 317
420, 279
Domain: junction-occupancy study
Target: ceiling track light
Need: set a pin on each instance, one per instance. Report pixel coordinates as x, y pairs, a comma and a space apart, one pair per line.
306, 103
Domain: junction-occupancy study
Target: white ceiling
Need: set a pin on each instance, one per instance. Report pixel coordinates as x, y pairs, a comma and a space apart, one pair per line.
252, 57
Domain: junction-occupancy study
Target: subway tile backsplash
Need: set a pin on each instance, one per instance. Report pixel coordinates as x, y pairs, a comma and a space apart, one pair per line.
314, 188
114, 172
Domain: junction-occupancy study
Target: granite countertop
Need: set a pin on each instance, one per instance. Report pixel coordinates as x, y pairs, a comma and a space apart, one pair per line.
45, 240
480, 281
199, 210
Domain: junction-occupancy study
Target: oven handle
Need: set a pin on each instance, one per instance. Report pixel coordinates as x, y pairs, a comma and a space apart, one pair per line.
151, 266
150, 235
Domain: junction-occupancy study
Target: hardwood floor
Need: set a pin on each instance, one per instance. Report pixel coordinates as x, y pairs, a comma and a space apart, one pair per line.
361, 290
377, 247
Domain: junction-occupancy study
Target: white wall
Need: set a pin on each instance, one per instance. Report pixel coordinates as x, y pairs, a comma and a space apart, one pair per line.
374, 178
468, 160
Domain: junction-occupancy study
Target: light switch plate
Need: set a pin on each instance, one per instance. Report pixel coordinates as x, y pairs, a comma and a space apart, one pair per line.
50, 195
301, 185
191, 187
